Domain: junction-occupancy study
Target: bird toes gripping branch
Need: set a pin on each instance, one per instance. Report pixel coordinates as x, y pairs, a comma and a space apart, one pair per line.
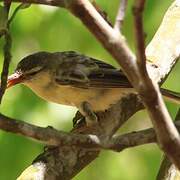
78, 119
86, 110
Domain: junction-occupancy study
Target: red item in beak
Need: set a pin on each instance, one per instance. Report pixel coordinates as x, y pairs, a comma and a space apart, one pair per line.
14, 79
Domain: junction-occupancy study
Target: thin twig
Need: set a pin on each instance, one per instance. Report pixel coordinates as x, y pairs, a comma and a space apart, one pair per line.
60, 3
6, 52
7, 59
101, 12
138, 9
120, 15
14, 13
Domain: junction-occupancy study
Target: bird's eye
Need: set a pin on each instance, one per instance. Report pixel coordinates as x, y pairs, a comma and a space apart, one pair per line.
33, 71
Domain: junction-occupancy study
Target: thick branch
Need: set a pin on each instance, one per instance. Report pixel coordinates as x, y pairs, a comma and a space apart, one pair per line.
167, 134
167, 170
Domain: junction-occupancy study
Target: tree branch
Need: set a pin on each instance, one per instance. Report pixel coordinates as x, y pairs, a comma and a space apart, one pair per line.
7, 60
52, 137
6, 49
167, 134
138, 9
167, 170
58, 3
120, 15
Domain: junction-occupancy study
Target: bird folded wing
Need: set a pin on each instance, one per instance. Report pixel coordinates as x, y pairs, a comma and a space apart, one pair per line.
86, 72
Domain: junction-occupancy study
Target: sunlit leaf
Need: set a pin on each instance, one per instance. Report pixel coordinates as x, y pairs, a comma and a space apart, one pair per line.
25, 5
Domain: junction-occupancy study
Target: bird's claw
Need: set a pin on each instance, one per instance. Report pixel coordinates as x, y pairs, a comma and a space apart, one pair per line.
89, 115
79, 119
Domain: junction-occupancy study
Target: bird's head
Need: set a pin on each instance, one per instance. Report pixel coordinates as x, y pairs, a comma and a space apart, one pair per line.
29, 67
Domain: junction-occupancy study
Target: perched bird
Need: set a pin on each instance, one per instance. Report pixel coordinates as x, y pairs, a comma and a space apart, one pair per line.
74, 79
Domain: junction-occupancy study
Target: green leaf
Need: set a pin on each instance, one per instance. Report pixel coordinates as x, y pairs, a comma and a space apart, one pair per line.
20, 7
25, 5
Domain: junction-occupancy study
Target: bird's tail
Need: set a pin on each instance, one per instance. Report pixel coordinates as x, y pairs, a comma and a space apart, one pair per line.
171, 95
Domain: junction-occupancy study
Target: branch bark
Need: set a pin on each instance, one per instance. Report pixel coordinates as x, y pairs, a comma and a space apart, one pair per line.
168, 136
6, 49
53, 137
120, 15
167, 170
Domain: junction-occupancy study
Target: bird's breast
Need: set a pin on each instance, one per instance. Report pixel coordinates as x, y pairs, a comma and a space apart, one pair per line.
99, 99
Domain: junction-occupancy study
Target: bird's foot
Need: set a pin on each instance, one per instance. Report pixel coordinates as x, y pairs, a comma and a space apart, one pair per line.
87, 112
78, 120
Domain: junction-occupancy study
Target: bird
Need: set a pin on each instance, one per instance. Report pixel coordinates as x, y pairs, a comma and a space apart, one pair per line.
71, 78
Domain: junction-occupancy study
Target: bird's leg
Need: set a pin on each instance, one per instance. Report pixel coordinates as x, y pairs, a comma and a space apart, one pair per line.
78, 119
87, 112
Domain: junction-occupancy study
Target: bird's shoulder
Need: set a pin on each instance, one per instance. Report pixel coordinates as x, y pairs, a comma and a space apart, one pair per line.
72, 59
82, 71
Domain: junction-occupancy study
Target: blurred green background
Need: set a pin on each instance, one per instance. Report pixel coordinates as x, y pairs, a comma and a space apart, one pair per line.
52, 29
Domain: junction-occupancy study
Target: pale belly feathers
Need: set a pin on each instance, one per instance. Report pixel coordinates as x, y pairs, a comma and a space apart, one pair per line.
100, 99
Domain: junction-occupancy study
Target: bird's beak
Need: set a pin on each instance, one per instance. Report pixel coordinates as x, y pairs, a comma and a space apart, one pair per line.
14, 79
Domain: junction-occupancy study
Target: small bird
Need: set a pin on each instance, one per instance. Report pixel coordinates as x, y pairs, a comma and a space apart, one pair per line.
74, 79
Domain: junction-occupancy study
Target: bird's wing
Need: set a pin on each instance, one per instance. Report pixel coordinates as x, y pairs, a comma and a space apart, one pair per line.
81, 71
